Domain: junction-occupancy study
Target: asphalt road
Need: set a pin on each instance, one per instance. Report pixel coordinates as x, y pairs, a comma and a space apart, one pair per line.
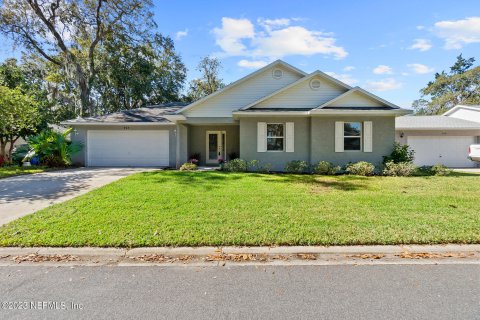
248, 292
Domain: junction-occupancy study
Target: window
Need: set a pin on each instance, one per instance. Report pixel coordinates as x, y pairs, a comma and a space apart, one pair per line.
275, 136
352, 136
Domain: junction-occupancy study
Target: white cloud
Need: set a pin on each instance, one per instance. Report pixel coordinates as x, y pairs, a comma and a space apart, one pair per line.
382, 69
296, 41
181, 34
349, 68
420, 68
273, 23
252, 64
421, 44
229, 37
275, 39
420, 27
383, 85
458, 33
347, 78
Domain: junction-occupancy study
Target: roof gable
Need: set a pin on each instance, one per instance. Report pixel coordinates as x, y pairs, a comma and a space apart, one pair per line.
357, 98
300, 94
242, 92
471, 113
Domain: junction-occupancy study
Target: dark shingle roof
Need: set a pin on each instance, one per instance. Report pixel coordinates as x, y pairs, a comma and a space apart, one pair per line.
155, 113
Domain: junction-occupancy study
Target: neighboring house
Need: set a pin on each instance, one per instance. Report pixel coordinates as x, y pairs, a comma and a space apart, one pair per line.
276, 114
441, 139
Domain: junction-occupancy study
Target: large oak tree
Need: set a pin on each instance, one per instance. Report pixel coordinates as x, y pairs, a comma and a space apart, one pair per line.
68, 34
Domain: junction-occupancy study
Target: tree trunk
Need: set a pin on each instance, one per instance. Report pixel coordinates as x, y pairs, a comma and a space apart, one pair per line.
3, 146
10, 149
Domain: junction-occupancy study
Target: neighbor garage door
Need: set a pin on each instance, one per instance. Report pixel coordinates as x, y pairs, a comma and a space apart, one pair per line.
116, 148
450, 151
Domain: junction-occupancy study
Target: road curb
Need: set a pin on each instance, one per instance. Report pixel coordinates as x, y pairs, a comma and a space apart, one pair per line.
202, 251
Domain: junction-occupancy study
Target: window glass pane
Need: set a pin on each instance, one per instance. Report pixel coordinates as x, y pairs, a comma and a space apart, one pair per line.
351, 143
212, 145
275, 130
275, 144
352, 129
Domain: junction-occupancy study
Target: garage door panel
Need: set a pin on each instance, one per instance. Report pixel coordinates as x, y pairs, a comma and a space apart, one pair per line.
451, 151
128, 148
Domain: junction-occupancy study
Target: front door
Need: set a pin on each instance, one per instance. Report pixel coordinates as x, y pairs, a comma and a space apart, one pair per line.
216, 146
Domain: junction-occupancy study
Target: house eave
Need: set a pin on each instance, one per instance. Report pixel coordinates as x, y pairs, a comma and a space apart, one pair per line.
435, 129
395, 112
66, 123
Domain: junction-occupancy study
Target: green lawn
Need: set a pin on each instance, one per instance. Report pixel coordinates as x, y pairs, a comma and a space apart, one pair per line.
6, 172
172, 208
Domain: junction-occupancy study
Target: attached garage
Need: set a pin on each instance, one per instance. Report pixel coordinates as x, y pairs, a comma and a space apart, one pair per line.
127, 148
451, 151
438, 139
143, 137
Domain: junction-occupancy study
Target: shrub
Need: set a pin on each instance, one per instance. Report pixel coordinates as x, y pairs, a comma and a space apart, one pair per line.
440, 170
400, 153
19, 154
236, 165
361, 168
436, 170
266, 168
53, 148
296, 166
401, 169
188, 166
325, 168
257, 166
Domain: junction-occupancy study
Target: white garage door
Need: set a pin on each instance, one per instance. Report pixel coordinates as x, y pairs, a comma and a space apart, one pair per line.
117, 148
450, 151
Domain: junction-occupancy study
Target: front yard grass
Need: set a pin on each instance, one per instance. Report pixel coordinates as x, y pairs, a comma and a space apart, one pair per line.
11, 171
172, 208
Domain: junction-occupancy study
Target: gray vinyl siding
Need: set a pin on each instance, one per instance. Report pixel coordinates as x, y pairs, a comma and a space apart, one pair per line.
315, 140
243, 94
302, 96
80, 135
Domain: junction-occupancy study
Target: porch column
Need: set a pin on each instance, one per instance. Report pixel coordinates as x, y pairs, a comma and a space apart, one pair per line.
182, 144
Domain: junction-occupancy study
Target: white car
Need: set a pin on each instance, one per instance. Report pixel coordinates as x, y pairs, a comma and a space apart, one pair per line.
474, 152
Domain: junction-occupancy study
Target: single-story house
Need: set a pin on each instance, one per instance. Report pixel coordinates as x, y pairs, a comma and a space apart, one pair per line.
276, 114
442, 139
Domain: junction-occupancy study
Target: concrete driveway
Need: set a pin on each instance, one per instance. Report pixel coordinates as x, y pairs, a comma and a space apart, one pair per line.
22, 195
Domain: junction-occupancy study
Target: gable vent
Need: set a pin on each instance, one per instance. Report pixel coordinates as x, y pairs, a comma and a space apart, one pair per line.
315, 84
277, 73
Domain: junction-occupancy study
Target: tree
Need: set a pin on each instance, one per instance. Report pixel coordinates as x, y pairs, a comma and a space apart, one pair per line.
210, 80
68, 33
18, 118
132, 75
25, 78
460, 86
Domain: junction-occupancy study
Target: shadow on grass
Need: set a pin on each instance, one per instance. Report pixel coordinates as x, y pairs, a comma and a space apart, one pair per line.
215, 179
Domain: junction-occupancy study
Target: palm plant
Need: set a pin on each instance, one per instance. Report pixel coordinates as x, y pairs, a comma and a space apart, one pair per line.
53, 148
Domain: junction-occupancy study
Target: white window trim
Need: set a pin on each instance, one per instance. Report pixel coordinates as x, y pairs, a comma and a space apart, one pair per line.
282, 137
360, 136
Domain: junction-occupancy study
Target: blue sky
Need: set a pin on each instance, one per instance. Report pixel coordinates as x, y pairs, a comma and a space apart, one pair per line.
392, 48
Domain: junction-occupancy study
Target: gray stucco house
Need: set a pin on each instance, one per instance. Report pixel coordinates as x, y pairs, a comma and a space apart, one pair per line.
275, 114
